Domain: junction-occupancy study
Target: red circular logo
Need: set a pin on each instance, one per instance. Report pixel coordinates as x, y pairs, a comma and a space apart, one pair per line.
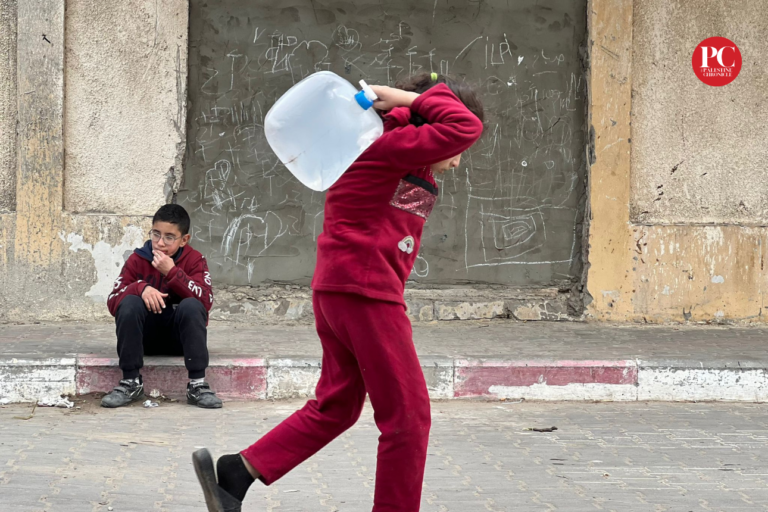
717, 61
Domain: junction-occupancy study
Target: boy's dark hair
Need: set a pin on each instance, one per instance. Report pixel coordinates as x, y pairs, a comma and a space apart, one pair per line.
465, 92
173, 214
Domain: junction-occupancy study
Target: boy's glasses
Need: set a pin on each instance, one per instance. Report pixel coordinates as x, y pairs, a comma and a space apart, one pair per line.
168, 239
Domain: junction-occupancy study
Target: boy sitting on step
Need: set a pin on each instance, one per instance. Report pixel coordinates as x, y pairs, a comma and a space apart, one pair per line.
160, 303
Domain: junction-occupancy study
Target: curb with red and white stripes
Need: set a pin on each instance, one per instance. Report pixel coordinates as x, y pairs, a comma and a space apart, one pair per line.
25, 380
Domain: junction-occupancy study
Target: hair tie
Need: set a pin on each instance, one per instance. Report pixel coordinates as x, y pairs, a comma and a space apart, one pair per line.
434, 77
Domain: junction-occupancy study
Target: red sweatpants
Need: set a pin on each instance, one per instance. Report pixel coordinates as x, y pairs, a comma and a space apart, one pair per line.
367, 347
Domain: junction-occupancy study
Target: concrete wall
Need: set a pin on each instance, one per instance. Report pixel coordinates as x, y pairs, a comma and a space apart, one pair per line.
125, 104
699, 153
7, 105
125, 110
510, 214
657, 267
119, 109
658, 129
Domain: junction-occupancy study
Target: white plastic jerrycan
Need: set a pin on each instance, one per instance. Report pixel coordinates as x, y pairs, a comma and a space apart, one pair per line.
320, 126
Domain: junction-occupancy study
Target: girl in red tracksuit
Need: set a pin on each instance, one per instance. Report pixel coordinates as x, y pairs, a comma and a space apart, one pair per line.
374, 216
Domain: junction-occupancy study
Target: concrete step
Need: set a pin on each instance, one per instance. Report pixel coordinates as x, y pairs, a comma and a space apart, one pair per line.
253, 378
483, 359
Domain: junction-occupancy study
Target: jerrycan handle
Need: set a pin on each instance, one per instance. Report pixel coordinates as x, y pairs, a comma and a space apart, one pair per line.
366, 97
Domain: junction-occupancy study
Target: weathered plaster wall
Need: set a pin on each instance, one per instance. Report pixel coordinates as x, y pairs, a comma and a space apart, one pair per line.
7, 105
699, 153
7, 235
92, 248
125, 115
674, 273
56, 265
698, 273
125, 104
610, 101
266, 304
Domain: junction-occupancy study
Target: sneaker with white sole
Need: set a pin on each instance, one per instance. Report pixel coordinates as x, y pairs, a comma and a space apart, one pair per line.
203, 396
129, 390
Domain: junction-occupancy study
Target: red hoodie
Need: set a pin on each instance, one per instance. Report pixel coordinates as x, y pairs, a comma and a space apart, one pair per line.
375, 213
189, 278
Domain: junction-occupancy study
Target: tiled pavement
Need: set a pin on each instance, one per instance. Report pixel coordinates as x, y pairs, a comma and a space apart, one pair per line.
620, 457
495, 338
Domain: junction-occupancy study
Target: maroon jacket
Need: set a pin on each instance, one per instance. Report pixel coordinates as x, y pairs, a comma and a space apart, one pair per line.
375, 213
189, 278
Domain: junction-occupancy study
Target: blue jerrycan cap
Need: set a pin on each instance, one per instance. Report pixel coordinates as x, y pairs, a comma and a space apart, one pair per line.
366, 97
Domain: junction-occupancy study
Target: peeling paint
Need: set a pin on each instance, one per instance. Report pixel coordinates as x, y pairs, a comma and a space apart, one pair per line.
703, 277
686, 384
440, 382
108, 259
540, 311
714, 236
469, 310
528, 312
289, 378
23, 380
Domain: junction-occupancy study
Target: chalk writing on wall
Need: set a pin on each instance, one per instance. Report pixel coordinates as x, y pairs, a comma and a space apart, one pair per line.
510, 214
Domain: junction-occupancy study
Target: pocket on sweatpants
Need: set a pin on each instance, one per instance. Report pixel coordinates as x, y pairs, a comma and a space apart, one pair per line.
415, 195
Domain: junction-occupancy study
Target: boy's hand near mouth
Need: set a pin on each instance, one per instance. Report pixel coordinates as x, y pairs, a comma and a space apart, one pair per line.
162, 262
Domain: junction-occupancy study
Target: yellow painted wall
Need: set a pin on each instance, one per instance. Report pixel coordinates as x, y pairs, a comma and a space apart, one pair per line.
664, 272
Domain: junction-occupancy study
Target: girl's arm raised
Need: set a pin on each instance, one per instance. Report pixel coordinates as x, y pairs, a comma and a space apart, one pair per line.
390, 98
450, 130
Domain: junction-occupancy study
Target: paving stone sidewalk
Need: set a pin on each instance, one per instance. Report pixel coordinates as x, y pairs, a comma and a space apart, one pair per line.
489, 339
621, 457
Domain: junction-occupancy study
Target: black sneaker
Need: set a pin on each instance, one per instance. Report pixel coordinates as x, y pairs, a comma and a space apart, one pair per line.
203, 396
216, 498
126, 392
